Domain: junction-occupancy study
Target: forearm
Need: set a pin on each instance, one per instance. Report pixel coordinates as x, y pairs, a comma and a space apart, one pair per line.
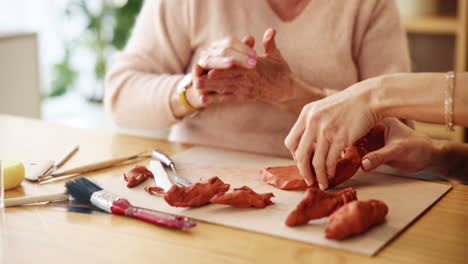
140, 100
303, 93
450, 160
419, 96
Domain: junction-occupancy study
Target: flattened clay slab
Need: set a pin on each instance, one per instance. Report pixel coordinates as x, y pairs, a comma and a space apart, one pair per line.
284, 177
244, 197
289, 178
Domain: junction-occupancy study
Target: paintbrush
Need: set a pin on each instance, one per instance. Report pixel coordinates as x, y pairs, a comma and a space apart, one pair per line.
88, 192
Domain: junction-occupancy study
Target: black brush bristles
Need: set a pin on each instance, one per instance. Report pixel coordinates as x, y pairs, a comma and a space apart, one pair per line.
81, 189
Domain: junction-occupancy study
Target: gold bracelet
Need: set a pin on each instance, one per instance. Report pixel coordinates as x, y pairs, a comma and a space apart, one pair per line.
185, 84
450, 77
185, 103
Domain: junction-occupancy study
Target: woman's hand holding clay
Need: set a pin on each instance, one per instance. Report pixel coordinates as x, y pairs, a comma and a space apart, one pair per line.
326, 127
405, 149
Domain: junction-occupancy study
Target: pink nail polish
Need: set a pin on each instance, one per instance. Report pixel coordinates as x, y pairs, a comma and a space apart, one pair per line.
252, 62
228, 60
252, 54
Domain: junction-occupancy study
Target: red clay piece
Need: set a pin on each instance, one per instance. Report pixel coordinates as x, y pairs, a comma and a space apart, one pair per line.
195, 195
289, 178
317, 204
137, 175
373, 141
154, 190
243, 197
284, 177
354, 218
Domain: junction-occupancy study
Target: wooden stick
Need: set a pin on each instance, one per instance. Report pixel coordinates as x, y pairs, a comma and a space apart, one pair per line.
93, 166
36, 199
96, 166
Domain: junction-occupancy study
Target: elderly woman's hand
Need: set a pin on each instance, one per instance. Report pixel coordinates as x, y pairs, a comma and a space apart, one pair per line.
405, 149
229, 52
270, 81
325, 127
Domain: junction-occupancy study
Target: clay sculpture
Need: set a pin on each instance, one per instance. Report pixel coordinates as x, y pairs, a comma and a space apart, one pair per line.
195, 195
137, 175
317, 204
243, 197
354, 218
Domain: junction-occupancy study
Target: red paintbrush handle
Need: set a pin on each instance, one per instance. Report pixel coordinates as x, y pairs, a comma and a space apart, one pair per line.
123, 207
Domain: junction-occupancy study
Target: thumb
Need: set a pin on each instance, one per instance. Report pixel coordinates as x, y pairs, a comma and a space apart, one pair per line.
249, 40
376, 158
269, 43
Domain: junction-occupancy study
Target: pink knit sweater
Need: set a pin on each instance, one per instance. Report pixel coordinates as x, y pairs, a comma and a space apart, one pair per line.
331, 44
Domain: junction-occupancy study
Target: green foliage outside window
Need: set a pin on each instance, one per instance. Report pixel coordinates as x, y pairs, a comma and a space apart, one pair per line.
96, 38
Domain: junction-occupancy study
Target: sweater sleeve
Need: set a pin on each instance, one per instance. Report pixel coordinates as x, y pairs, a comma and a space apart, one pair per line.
154, 61
380, 41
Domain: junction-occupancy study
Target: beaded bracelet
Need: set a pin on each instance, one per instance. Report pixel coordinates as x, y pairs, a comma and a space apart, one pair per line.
450, 77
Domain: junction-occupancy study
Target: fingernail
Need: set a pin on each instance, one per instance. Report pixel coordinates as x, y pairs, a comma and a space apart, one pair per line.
252, 54
308, 182
366, 164
252, 62
321, 187
228, 60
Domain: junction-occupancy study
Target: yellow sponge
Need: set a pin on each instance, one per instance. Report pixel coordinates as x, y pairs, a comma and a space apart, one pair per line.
13, 173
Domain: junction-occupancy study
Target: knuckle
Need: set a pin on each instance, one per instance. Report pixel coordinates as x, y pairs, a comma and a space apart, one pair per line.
318, 165
300, 157
313, 116
331, 163
376, 159
224, 52
288, 142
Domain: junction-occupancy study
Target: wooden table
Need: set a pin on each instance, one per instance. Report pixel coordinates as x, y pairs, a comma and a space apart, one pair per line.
37, 234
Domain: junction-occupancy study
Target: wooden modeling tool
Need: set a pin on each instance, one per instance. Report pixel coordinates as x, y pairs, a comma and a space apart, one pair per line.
94, 166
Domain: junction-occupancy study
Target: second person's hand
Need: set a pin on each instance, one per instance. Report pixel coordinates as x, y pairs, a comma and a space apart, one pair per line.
326, 127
